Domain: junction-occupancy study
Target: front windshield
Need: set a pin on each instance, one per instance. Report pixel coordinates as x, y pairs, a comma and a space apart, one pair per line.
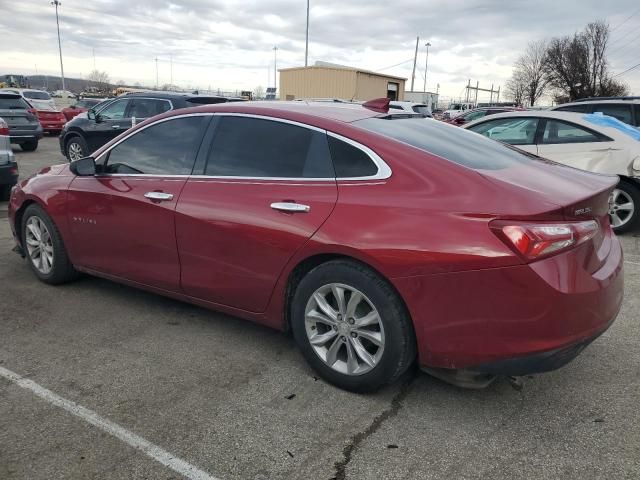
37, 95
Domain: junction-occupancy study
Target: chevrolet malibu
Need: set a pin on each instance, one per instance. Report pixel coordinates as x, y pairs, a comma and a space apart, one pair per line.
379, 239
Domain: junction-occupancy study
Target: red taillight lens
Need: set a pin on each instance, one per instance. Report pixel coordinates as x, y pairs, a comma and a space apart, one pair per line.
4, 128
537, 240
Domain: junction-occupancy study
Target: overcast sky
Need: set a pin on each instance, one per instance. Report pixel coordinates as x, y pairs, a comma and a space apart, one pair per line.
228, 44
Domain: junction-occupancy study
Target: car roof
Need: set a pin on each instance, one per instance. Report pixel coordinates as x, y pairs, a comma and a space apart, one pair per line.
169, 95
624, 101
601, 123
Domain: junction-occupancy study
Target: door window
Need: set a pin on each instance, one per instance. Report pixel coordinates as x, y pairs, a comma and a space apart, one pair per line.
251, 147
621, 112
148, 107
563, 132
115, 110
474, 115
514, 131
349, 161
165, 148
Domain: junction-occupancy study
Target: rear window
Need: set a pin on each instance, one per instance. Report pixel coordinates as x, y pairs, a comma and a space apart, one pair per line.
13, 103
451, 143
37, 95
421, 109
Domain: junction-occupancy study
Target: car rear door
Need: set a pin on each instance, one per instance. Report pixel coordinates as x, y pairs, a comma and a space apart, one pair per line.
264, 189
110, 122
123, 219
573, 144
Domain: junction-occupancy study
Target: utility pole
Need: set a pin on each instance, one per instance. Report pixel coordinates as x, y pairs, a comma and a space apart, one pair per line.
57, 4
156, 73
426, 66
306, 46
415, 60
275, 67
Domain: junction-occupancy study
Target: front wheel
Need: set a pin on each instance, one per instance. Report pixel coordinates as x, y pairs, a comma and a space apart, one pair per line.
624, 207
45, 250
352, 327
76, 149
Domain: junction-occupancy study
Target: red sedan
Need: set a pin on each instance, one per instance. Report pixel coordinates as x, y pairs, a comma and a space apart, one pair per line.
80, 106
52, 121
376, 238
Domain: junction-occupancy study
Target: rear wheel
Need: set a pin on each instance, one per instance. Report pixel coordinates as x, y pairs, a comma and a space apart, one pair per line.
352, 327
76, 148
624, 207
45, 250
29, 146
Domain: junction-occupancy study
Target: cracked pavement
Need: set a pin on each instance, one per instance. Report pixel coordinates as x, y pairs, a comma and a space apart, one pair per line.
217, 392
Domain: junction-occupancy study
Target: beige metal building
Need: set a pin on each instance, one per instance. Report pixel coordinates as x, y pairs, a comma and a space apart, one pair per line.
325, 80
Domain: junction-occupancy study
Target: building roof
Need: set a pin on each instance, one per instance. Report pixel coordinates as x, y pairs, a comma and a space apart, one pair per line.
334, 66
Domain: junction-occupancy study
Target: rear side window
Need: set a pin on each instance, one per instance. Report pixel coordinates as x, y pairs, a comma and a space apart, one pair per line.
166, 148
451, 143
514, 131
251, 147
556, 132
37, 95
621, 112
148, 107
350, 161
9, 103
574, 108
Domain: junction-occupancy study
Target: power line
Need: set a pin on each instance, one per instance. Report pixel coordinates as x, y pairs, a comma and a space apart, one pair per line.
625, 21
623, 46
396, 65
627, 70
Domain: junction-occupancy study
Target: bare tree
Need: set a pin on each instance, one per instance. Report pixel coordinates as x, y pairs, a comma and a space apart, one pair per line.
258, 92
530, 68
516, 88
99, 79
577, 66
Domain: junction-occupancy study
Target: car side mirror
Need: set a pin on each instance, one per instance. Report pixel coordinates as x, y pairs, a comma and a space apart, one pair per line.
84, 167
91, 114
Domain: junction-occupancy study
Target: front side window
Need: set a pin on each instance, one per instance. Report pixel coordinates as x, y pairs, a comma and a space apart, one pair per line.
148, 107
165, 148
514, 131
251, 147
621, 112
563, 132
115, 110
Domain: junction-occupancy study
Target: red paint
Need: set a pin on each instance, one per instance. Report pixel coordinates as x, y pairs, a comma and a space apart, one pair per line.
51, 121
426, 229
70, 112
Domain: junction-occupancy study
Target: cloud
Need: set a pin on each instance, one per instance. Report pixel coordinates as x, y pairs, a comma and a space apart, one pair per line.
228, 44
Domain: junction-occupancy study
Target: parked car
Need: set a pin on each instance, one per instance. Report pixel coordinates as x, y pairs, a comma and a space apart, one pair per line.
63, 94
592, 142
456, 109
625, 109
38, 99
478, 113
375, 237
84, 134
411, 107
8, 165
80, 106
24, 127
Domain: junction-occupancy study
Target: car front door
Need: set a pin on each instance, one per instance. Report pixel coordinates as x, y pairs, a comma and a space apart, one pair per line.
122, 219
574, 145
266, 188
110, 122
517, 131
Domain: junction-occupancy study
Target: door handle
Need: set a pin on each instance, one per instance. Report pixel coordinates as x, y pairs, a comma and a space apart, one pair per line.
159, 196
115, 127
290, 207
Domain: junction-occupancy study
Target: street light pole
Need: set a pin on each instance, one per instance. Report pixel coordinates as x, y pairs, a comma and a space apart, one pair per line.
306, 46
57, 4
275, 67
426, 66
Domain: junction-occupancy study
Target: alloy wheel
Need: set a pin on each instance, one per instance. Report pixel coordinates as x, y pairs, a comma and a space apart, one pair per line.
39, 245
344, 329
621, 208
75, 151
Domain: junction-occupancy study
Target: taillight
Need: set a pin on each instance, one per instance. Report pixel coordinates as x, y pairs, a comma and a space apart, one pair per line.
4, 128
537, 240
32, 111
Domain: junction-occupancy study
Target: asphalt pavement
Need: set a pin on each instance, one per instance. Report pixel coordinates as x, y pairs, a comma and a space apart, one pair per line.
102, 381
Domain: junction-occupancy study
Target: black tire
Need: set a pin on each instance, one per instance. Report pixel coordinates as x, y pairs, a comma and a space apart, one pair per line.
81, 144
632, 190
29, 146
399, 338
5, 190
62, 270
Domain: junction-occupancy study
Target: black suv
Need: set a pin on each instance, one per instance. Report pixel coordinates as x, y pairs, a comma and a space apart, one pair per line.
86, 133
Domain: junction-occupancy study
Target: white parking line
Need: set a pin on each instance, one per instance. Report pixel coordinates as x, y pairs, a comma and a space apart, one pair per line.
158, 454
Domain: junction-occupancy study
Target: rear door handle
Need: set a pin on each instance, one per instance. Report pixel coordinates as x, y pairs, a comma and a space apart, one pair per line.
159, 196
290, 207
115, 126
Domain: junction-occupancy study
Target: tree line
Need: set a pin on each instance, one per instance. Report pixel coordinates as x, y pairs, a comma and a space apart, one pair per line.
567, 68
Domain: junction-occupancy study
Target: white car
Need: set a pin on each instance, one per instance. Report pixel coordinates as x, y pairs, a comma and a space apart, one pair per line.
456, 109
409, 107
593, 142
39, 99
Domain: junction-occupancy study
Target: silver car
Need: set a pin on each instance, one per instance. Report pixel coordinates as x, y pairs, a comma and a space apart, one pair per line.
8, 165
24, 127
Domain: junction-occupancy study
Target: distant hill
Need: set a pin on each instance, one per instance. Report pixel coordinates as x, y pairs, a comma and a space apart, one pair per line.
75, 85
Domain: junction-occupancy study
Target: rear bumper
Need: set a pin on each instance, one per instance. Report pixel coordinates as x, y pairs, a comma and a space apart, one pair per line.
21, 136
8, 174
514, 320
53, 125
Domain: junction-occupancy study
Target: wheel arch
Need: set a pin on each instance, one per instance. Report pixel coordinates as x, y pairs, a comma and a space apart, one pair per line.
20, 214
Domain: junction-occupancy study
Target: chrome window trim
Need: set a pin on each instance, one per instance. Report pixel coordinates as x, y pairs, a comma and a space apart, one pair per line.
384, 171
